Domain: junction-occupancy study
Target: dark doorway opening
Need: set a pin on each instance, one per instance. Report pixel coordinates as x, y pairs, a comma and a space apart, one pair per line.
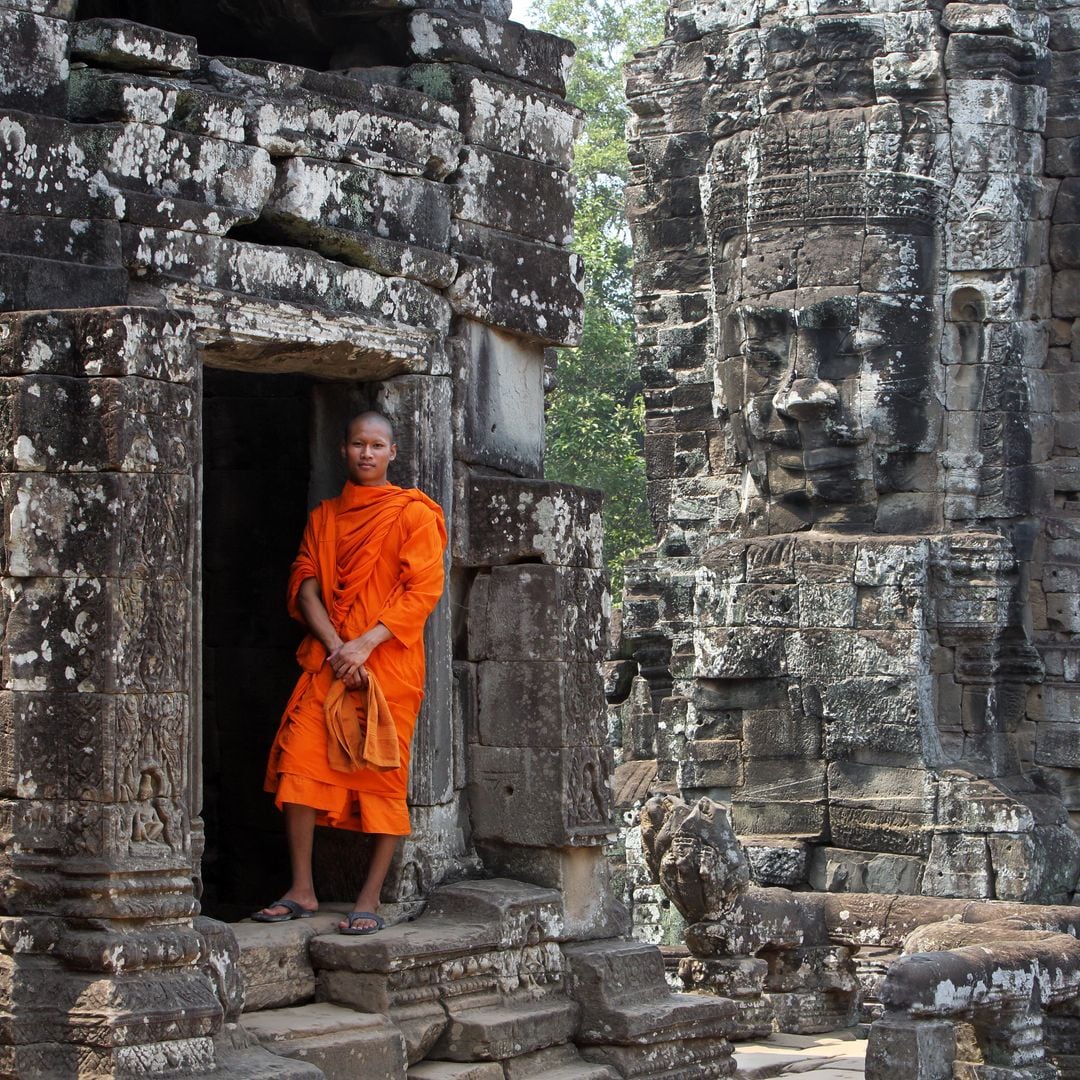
256, 477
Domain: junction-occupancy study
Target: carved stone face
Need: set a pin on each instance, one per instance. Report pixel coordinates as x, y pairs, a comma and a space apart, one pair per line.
830, 390
827, 312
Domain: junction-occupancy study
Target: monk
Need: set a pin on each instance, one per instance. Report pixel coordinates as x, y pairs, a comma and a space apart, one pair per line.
369, 572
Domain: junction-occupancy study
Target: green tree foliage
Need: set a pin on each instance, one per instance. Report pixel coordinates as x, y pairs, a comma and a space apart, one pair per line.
595, 418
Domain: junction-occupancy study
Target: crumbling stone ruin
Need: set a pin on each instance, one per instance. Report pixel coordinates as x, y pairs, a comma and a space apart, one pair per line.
856, 300
984, 989
223, 229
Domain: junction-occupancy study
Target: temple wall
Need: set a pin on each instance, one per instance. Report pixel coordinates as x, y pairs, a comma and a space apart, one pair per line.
207, 263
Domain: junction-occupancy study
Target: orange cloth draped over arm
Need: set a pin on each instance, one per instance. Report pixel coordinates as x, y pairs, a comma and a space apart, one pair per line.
377, 555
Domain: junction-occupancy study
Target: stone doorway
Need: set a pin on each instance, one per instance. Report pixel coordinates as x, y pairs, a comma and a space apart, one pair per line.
269, 454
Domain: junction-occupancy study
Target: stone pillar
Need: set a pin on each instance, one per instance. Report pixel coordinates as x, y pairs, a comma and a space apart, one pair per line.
99, 421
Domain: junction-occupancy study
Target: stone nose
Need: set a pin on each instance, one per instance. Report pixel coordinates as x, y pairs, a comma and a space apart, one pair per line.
803, 399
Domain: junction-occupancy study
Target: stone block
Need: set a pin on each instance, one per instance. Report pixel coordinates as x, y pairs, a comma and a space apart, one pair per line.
582, 877
118, 43
177, 260
839, 870
794, 779
147, 342
900, 832
44, 171
137, 525
123, 424
1058, 745
97, 634
499, 397
923, 1049
494, 1032
34, 283
744, 652
1066, 294
710, 763
503, 191
199, 175
455, 1070
775, 861
778, 817
325, 204
339, 1041
296, 118
550, 798
554, 1064
702, 1059
903, 789
514, 119
536, 612
505, 519
126, 743
275, 963
624, 998
34, 67
505, 48
528, 288
540, 703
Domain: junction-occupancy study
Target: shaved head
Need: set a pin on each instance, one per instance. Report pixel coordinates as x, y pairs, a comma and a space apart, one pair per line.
370, 417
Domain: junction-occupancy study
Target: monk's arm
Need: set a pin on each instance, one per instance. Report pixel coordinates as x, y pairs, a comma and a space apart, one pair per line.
309, 601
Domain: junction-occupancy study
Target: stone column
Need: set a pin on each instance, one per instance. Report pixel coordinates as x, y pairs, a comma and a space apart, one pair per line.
99, 418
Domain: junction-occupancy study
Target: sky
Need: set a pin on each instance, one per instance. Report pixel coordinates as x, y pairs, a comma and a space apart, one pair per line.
521, 12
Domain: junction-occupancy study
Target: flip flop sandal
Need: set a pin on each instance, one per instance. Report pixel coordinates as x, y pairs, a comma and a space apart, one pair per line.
355, 916
294, 911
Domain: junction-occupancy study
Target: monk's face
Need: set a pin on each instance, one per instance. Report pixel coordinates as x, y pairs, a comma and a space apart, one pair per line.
368, 451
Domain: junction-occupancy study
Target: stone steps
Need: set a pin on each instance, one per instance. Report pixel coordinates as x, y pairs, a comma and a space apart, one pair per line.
340, 1042
479, 988
275, 958
505, 1030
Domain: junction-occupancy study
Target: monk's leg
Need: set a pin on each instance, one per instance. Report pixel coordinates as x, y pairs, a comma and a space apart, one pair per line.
300, 834
382, 854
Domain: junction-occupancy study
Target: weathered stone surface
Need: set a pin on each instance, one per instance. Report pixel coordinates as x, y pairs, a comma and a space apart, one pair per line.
503, 191
323, 203
504, 48
557, 799
530, 289
564, 704
34, 70
338, 1041
121, 44
501, 1031
275, 964
558, 613
165, 257
501, 380
503, 115
508, 523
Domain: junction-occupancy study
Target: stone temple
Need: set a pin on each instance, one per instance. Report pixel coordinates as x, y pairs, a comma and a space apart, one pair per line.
226, 227
857, 286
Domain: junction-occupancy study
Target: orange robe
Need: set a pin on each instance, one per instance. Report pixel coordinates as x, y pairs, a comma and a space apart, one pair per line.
377, 554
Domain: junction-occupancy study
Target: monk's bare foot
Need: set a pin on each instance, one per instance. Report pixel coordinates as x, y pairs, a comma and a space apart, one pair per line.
363, 903
308, 901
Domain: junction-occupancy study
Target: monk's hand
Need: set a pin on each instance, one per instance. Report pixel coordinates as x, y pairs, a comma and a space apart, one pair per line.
355, 680
348, 660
